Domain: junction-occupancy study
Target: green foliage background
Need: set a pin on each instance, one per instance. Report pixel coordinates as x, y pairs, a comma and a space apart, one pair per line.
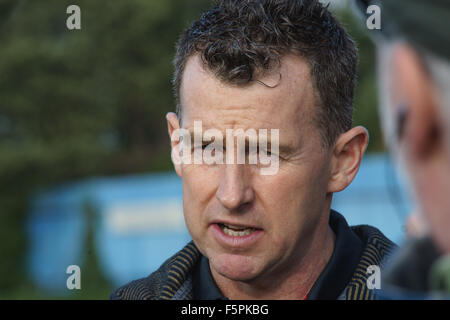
88, 102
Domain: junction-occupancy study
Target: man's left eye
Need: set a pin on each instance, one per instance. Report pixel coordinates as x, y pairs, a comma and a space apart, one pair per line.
267, 152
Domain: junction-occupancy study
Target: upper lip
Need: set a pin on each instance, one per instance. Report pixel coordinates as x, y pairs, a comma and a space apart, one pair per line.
237, 224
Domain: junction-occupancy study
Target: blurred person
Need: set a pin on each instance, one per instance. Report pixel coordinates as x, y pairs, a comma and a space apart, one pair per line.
414, 81
273, 64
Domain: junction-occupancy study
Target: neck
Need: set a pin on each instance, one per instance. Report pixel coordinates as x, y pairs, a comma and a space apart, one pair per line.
288, 283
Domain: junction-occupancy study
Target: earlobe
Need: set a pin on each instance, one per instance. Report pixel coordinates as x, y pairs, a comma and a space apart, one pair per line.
346, 158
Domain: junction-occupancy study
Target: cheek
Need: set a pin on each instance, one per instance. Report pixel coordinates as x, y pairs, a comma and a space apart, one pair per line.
296, 202
281, 204
199, 185
199, 182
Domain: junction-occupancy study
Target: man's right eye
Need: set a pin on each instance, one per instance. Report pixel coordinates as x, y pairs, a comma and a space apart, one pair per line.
203, 146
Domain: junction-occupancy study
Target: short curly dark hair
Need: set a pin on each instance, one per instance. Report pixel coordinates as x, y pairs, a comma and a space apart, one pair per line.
241, 39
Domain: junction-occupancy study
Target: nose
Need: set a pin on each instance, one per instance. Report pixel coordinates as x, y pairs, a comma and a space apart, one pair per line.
235, 191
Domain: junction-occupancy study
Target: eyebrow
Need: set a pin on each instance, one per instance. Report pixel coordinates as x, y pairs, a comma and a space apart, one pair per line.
282, 148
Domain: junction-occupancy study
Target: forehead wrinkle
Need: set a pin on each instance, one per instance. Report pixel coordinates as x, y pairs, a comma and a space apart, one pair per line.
295, 90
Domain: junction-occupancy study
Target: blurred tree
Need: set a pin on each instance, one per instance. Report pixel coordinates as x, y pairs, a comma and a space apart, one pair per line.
366, 98
82, 102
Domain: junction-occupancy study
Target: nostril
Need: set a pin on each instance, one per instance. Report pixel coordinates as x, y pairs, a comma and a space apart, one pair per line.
243, 207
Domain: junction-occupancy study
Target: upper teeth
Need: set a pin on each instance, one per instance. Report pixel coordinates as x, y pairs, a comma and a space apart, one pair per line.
236, 233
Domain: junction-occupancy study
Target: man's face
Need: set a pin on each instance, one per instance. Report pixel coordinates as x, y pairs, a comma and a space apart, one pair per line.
286, 211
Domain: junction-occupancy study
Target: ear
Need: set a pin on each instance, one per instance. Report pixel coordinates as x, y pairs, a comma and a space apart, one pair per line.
173, 125
346, 158
414, 92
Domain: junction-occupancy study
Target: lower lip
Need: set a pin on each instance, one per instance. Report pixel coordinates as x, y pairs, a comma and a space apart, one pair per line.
235, 241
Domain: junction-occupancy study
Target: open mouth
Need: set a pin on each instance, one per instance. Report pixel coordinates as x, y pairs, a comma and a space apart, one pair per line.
236, 236
236, 231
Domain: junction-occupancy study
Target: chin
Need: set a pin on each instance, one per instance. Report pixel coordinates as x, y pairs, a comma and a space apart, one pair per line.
235, 267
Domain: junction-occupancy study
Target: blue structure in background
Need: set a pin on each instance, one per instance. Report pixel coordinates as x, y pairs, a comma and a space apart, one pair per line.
56, 233
139, 221
141, 224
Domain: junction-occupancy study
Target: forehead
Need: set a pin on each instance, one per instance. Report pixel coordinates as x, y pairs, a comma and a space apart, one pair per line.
288, 104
